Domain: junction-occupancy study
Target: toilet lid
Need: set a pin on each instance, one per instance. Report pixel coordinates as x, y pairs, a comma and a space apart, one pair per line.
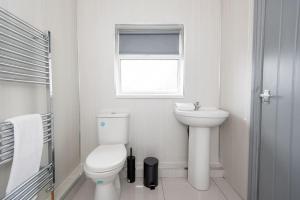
106, 158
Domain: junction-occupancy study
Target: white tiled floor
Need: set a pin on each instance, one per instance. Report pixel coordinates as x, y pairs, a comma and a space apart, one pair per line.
178, 189
136, 191
226, 189
168, 189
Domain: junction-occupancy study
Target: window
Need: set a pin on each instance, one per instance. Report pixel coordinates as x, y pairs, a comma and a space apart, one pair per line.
149, 61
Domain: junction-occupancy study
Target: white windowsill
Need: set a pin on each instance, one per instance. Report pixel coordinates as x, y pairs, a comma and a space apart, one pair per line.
149, 96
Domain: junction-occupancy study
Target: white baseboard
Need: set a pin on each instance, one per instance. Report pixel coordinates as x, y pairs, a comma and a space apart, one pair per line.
216, 170
61, 190
175, 170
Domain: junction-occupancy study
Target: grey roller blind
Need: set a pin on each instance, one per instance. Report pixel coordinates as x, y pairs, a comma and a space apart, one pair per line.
155, 42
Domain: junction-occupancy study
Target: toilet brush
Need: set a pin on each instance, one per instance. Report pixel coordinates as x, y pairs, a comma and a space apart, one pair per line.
131, 168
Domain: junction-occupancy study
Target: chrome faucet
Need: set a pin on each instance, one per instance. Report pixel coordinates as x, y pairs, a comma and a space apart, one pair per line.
197, 106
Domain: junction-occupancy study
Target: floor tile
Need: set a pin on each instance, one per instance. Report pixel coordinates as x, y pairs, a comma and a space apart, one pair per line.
129, 191
168, 189
226, 188
180, 189
86, 192
137, 191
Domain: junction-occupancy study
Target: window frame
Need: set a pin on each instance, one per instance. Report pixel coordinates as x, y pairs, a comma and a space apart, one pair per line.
179, 57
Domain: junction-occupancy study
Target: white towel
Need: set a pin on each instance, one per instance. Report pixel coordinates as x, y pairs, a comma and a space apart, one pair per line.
28, 147
185, 106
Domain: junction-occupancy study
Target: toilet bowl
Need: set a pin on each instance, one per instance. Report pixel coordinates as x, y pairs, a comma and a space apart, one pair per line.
103, 166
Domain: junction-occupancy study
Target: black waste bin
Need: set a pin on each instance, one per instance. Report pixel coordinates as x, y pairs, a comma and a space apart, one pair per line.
151, 172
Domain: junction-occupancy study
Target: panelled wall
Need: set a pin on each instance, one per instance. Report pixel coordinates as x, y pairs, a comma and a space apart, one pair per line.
59, 16
154, 130
236, 70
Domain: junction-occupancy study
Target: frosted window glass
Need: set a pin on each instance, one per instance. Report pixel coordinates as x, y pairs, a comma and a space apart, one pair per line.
149, 76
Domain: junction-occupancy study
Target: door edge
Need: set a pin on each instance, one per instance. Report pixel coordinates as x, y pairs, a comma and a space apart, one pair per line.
256, 88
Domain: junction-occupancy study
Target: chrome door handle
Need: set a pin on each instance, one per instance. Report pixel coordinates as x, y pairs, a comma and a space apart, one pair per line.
266, 96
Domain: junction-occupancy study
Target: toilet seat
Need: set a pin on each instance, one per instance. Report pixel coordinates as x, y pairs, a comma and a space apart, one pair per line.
106, 158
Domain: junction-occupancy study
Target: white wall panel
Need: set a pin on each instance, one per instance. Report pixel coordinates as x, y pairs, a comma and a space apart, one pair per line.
153, 129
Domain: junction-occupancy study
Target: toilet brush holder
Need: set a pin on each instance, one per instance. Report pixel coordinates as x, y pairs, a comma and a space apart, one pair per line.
131, 168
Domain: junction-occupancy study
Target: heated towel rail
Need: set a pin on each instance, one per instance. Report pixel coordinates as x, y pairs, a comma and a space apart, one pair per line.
25, 58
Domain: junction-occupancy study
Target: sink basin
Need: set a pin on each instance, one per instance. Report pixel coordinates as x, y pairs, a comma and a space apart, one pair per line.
200, 122
204, 117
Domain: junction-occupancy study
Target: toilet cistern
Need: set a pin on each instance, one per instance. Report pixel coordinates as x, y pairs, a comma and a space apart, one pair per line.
200, 120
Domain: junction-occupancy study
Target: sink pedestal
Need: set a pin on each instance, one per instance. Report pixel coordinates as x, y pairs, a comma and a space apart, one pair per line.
200, 121
198, 160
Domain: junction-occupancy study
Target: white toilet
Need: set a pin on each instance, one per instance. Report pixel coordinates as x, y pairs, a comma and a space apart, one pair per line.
105, 162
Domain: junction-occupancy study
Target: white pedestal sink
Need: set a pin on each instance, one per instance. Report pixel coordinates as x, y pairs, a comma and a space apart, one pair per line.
199, 123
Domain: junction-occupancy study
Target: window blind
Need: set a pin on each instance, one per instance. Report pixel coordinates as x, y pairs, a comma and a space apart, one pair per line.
149, 42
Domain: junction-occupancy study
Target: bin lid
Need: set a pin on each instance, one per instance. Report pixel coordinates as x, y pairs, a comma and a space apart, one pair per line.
151, 161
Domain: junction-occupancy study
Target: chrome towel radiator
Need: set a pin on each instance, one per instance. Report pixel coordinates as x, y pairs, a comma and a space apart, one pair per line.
25, 58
